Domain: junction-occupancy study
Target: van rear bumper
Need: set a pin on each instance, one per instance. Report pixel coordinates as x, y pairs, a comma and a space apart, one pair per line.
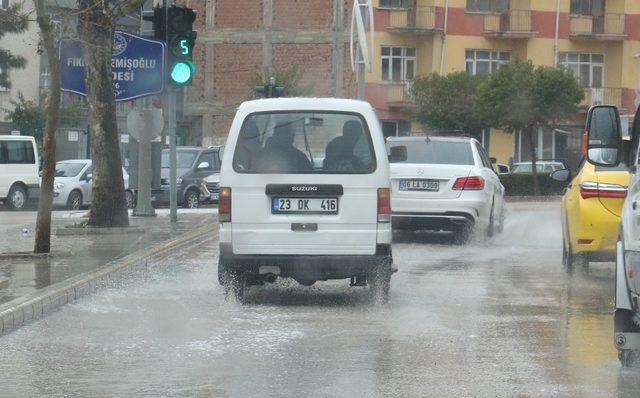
320, 267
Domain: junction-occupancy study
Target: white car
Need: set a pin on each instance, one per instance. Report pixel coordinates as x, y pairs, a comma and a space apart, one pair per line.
542, 166
73, 184
444, 184
19, 164
283, 213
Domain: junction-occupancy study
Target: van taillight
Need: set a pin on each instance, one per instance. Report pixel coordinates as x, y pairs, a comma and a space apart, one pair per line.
384, 205
473, 183
591, 189
224, 205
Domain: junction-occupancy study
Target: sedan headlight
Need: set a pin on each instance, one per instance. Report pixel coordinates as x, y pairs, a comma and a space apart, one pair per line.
58, 186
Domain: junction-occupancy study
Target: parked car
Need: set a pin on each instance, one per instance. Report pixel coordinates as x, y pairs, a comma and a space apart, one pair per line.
19, 166
73, 184
542, 167
444, 183
194, 164
283, 214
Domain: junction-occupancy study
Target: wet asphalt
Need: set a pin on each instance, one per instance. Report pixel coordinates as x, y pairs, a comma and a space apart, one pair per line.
493, 318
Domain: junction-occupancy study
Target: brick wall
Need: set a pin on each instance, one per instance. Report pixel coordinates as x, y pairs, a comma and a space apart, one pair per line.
315, 61
238, 13
235, 65
221, 126
307, 14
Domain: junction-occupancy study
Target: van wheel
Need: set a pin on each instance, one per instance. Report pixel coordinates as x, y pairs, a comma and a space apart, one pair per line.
17, 198
74, 202
233, 282
192, 199
130, 199
629, 358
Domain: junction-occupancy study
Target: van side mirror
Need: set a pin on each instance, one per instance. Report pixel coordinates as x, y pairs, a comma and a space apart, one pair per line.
398, 154
204, 165
562, 175
604, 136
89, 177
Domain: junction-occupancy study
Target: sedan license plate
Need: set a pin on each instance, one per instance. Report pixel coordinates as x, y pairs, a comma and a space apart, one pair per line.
304, 205
419, 185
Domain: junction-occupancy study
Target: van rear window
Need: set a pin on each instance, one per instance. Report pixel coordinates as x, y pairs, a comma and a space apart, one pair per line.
17, 152
304, 143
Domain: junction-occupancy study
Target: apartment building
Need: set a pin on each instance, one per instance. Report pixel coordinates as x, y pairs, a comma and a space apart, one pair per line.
599, 40
239, 38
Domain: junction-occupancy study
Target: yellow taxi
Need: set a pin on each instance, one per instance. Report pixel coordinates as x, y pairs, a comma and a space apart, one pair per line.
591, 209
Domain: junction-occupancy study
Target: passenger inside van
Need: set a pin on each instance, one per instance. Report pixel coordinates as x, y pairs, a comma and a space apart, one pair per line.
248, 150
339, 155
280, 155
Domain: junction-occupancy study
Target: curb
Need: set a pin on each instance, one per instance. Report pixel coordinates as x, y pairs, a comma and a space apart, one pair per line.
98, 231
23, 310
551, 198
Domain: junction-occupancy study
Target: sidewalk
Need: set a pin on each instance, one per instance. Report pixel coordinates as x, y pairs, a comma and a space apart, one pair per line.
73, 255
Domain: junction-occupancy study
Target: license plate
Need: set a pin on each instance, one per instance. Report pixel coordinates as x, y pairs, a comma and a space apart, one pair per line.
304, 205
419, 185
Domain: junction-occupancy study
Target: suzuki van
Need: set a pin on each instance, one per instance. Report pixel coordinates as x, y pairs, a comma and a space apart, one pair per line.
304, 194
19, 167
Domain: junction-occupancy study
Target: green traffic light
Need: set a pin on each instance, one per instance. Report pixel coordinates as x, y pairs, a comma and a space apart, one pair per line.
182, 71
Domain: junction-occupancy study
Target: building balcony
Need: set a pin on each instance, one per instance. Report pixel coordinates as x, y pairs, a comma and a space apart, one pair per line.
514, 24
398, 95
603, 96
609, 26
417, 20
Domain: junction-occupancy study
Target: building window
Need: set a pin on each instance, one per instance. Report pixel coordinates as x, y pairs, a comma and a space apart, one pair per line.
482, 62
487, 5
588, 68
587, 7
398, 63
395, 3
4, 4
390, 128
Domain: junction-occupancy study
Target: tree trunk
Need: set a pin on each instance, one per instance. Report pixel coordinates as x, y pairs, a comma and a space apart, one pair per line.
43, 222
534, 168
96, 28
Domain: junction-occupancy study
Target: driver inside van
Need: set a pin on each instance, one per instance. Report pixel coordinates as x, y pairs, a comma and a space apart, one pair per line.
280, 155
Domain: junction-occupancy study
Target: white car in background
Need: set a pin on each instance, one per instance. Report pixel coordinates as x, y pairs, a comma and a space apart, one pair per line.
444, 184
542, 166
73, 184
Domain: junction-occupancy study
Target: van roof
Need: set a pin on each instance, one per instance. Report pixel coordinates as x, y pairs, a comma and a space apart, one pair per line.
306, 103
16, 138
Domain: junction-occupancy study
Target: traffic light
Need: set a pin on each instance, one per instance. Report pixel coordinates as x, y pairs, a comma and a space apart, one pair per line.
270, 90
158, 19
180, 41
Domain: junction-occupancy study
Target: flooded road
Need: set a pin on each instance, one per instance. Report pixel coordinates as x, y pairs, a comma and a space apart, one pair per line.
497, 318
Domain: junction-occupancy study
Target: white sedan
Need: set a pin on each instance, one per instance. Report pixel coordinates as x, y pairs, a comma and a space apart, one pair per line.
444, 184
73, 184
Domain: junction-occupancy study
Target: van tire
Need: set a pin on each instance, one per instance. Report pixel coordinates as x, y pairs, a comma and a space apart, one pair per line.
629, 358
233, 282
74, 201
17, 198
130, 199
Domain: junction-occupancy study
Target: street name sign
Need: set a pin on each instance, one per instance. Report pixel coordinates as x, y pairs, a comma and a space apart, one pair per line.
137, 65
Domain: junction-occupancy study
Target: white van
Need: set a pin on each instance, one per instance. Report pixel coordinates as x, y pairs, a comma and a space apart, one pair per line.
305, 194
19, 171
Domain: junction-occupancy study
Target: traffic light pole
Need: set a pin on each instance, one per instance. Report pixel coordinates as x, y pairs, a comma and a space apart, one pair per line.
173, 175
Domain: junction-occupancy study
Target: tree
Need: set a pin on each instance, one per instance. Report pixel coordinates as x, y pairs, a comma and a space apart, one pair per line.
12, 20
289, 78
29, 118
448, 102
43, 221
522, 97
96, 24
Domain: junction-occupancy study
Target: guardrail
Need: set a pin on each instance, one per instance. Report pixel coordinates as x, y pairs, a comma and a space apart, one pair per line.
516, 21
426, 18
603, 96
609, 24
